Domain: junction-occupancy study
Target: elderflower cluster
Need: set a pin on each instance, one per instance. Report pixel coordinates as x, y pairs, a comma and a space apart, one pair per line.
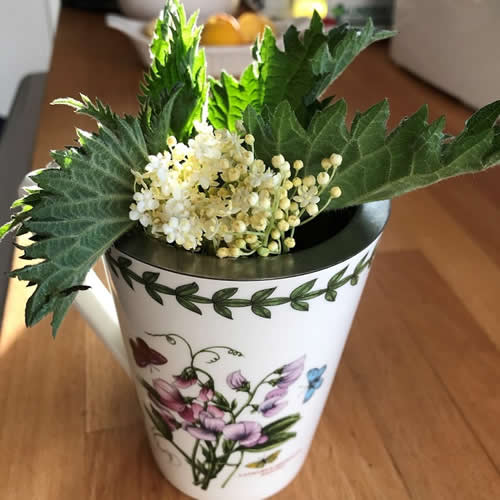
212, 193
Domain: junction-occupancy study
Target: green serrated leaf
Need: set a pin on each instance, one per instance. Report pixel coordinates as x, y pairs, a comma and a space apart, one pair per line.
376, 165
299, 75
177, 59
72, 230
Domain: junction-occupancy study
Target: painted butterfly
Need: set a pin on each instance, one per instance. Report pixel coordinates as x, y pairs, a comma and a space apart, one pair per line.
315, 379
144, 355
265, 461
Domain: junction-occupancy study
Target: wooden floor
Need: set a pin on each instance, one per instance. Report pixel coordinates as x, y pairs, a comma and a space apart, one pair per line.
414, 412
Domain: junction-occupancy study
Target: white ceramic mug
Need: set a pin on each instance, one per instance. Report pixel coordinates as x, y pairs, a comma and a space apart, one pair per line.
232, 360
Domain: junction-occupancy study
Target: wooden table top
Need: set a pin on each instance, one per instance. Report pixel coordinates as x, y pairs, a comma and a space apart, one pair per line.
415, 409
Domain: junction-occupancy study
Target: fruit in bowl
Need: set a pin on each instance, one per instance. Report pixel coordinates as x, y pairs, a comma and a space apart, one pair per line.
225, 30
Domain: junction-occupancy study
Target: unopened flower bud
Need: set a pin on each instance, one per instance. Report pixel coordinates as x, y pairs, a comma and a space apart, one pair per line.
326, 164
239, 226
273, 247
298, 165
294, 221
234, 252
283, 226
275, 234
288, 185
263, 252
285, 204
251, 239
171, 141
294, 206
278, 215
290, 243
312, 209
309, 181
323, 178
335, 192
240, 243
223, 252
278, 161
265, 203
297, 182
336, 160
250, 139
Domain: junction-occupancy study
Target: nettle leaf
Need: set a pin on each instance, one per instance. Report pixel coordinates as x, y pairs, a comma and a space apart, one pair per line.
177, 77
377, 166
79, 210
299, 74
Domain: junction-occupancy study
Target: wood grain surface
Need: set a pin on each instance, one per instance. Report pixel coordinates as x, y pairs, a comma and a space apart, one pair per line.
414, 410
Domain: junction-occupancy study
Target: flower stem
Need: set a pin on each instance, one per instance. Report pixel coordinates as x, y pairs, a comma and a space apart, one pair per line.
236, 467
252, 394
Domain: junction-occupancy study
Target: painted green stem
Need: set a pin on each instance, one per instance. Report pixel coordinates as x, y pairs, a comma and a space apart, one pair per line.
223, 301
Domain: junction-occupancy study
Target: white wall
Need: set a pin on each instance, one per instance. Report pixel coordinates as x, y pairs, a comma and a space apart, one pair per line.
27, 28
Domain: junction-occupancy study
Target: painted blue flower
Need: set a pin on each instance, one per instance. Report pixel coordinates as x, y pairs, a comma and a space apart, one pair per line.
315, 379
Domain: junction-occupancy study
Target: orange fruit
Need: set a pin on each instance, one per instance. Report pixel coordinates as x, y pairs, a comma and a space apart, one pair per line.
252, 25
221, 29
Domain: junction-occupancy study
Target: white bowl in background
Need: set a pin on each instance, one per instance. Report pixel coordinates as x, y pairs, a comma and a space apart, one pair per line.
233, 59
149, 9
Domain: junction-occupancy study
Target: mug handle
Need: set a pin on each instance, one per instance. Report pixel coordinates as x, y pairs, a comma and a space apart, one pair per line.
96, 305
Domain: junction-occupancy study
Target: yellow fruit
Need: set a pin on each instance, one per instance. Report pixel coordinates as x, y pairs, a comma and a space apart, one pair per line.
149, 29
252, 25
221, 29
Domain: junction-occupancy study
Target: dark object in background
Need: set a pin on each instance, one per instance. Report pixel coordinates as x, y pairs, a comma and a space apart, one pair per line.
2, 123
380, 12
101, 5
254, 4
16, 151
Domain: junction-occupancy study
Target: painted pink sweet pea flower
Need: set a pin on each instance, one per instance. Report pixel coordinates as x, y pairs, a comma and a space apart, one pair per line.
211, 423
206, 394
291, 372
238, 382
273, 403
248, 434
186, 379
169, 395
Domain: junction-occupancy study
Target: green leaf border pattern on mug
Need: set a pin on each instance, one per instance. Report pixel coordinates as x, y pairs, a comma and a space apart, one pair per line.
223, 301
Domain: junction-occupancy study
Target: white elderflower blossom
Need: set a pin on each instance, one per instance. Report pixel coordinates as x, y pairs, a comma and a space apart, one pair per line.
213, 192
